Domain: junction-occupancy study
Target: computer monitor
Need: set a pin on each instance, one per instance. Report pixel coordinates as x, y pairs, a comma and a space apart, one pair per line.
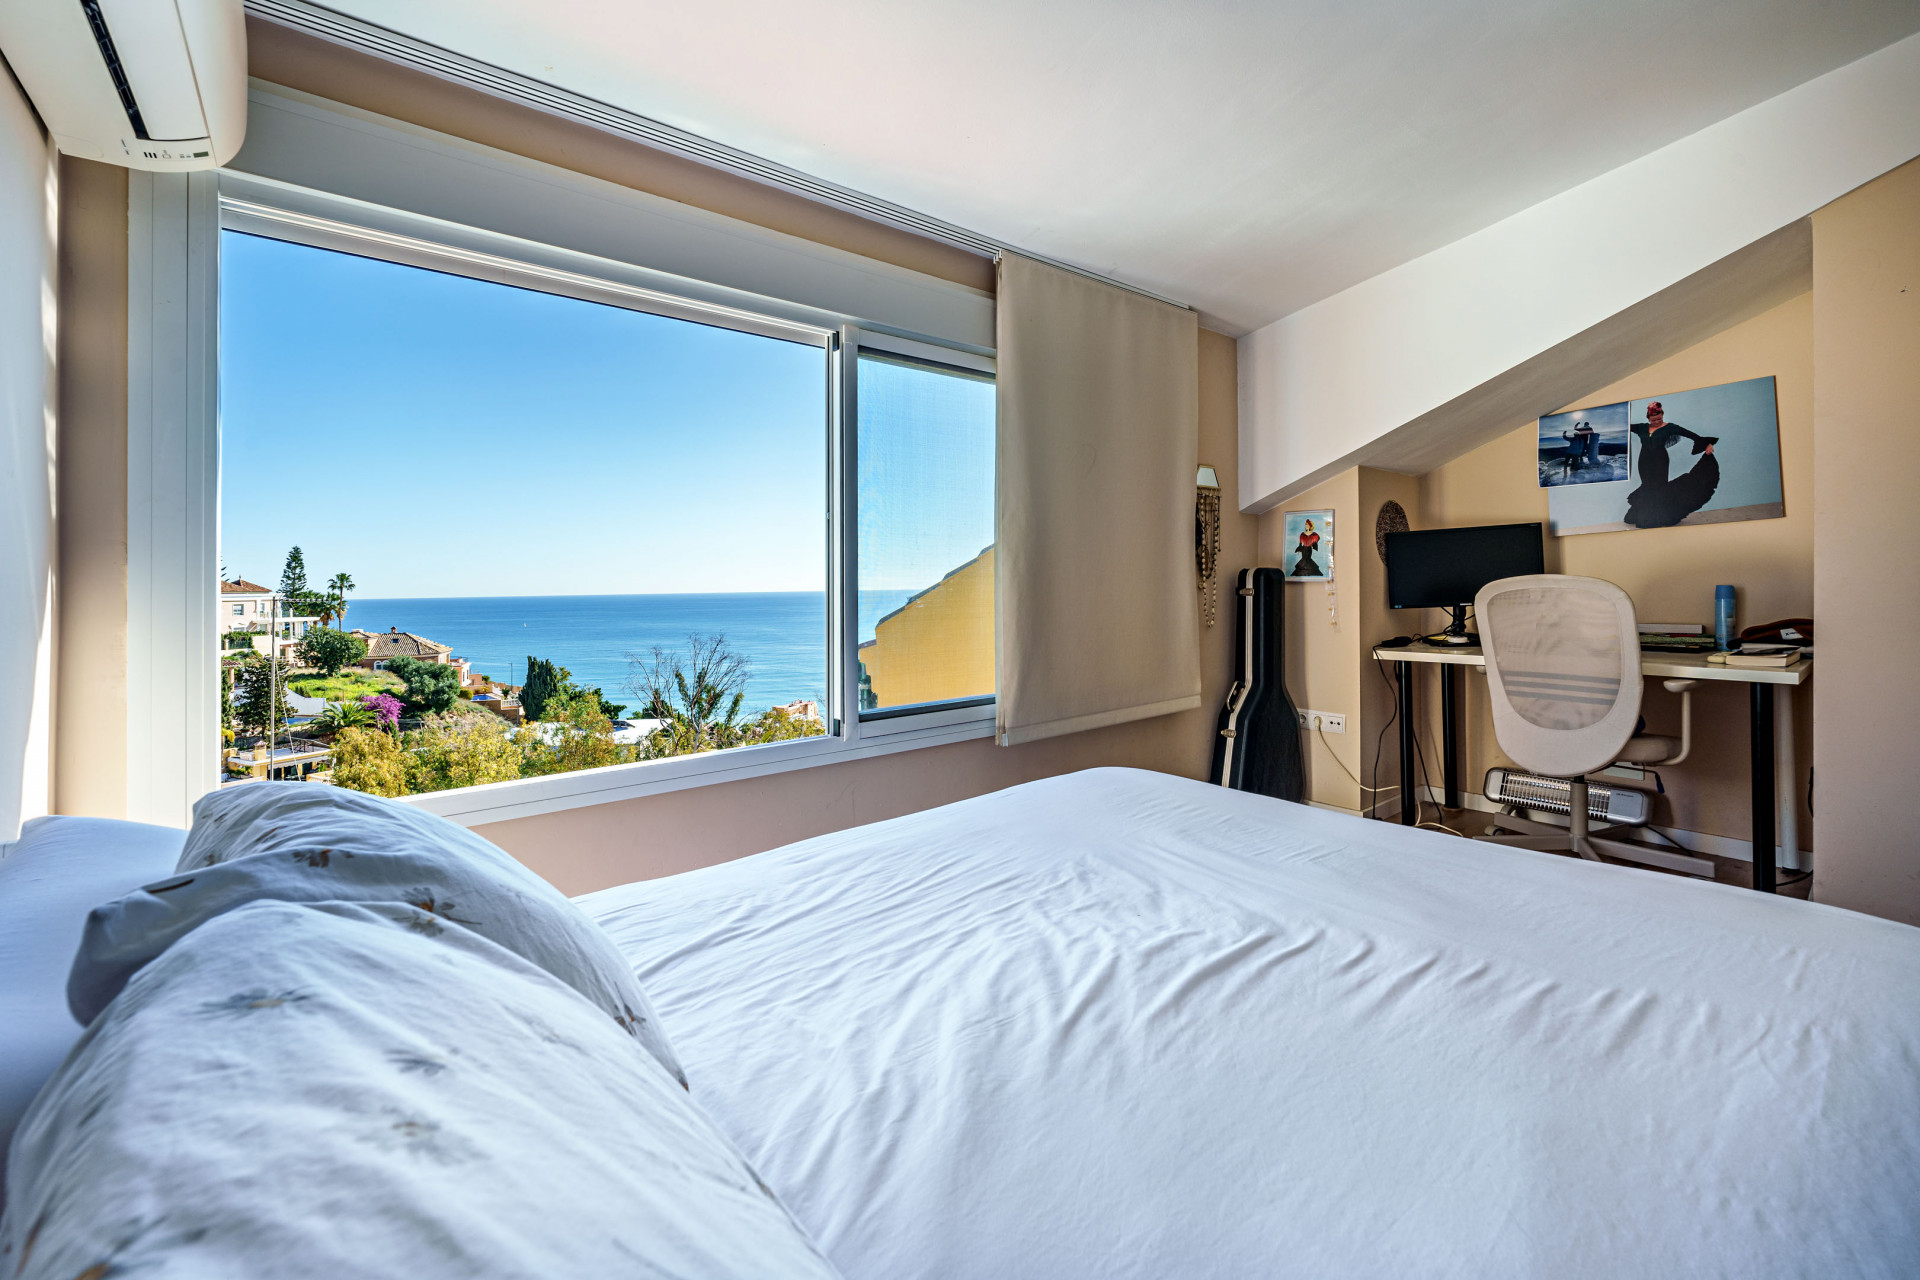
1445, 568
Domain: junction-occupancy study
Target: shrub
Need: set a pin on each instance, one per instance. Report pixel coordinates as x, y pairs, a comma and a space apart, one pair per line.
462, 751
777, 724
431, 687
370, 761
574, 735
385, 708
327, 650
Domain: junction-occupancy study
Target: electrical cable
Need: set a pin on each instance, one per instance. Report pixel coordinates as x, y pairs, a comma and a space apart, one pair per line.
1380, 666
1426, 780
1322, 733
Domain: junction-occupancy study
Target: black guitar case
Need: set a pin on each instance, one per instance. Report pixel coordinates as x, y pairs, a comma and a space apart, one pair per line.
1259, 744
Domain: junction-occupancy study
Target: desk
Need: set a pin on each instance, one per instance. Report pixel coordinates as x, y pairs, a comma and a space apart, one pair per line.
1772, 755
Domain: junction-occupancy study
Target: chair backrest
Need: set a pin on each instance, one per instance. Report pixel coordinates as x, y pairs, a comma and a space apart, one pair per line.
1563, 670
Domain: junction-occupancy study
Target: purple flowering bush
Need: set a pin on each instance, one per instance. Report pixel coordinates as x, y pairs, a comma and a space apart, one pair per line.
385, 708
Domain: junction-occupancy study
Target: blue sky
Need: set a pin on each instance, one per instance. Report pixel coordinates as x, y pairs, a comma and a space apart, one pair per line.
433, 435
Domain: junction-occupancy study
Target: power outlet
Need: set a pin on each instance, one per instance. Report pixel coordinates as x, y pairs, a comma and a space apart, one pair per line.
1324, 721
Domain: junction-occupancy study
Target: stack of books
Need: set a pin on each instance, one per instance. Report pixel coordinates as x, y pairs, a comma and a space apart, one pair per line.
1675, 637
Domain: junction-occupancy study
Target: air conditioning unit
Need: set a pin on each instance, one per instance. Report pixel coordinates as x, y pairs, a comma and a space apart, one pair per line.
1614, 806
148, 84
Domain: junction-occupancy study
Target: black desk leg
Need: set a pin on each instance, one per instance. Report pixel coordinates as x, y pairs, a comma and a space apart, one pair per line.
1449, 759
1409, 793
1761, 710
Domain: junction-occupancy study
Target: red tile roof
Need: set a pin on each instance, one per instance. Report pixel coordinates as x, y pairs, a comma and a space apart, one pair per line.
400, 644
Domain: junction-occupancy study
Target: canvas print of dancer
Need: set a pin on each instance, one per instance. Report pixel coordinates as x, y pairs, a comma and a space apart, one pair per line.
1706, 456
1309, 546
1588, 446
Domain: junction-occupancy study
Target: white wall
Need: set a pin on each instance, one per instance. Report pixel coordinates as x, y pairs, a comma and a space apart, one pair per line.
1336, 383
26, 460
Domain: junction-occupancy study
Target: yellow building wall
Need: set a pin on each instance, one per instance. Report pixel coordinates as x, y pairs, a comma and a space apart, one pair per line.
938, 645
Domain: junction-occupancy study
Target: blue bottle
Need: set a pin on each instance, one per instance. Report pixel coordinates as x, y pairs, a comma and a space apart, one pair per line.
1723, 618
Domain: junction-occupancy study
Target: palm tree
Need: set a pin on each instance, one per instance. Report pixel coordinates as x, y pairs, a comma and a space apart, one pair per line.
337, 588
351, 714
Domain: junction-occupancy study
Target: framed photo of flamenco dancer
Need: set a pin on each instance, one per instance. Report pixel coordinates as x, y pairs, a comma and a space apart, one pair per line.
1706, 456
1308, 546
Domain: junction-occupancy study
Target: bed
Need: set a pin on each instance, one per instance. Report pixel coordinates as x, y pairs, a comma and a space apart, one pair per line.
1114, 1024
1123, 1024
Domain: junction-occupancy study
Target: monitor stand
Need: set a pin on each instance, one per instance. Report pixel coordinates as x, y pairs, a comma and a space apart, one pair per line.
1456, 630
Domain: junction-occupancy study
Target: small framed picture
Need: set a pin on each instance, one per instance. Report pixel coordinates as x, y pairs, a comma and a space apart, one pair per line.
1307, 553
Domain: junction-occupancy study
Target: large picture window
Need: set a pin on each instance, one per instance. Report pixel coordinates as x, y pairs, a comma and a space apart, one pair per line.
475, 531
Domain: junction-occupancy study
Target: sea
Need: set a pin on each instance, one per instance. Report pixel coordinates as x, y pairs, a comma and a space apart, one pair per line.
782, 635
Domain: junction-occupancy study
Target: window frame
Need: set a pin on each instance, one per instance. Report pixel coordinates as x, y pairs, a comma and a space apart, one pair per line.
884, 724
185, 246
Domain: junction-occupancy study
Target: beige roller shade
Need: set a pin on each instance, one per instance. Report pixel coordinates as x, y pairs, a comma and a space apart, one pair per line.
1099, 439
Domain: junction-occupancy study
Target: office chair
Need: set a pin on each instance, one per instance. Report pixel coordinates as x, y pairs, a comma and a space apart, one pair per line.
1563, 676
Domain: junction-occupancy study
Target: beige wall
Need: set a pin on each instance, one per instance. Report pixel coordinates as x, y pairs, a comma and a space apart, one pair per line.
90, 693
1377, 623
1866, 341
1670, 573
594, 847
1323, 646
1330, 634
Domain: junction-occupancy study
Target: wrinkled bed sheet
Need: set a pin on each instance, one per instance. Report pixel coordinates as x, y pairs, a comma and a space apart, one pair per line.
1119, 1024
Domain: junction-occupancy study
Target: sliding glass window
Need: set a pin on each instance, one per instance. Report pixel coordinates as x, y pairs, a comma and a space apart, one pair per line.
925, 453
473, 532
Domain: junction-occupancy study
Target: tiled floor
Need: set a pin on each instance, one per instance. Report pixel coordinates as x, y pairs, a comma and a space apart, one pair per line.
1471, 822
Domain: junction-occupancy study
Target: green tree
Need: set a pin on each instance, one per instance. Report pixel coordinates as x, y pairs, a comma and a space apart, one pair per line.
697, 691
777, 724
431, 687
370, 761
227, 667
544, 681
462, 751
260, 695
573, 735
293, 577
327, 650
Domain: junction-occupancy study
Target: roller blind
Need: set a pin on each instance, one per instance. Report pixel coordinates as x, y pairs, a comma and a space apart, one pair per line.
1098, 442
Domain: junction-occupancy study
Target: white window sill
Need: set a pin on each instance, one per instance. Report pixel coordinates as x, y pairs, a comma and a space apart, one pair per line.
530, 797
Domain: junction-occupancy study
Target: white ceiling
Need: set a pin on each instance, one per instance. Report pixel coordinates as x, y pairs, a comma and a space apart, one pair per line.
1249, 158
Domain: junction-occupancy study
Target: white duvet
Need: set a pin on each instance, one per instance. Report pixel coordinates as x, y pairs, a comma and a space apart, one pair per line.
1120, 1024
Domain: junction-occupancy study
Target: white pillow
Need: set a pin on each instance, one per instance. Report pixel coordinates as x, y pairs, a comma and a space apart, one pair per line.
357, 1089
50, 878
302, 842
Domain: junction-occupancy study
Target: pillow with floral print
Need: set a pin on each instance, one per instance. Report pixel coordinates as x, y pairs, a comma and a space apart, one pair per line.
321, 1090
303, 842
